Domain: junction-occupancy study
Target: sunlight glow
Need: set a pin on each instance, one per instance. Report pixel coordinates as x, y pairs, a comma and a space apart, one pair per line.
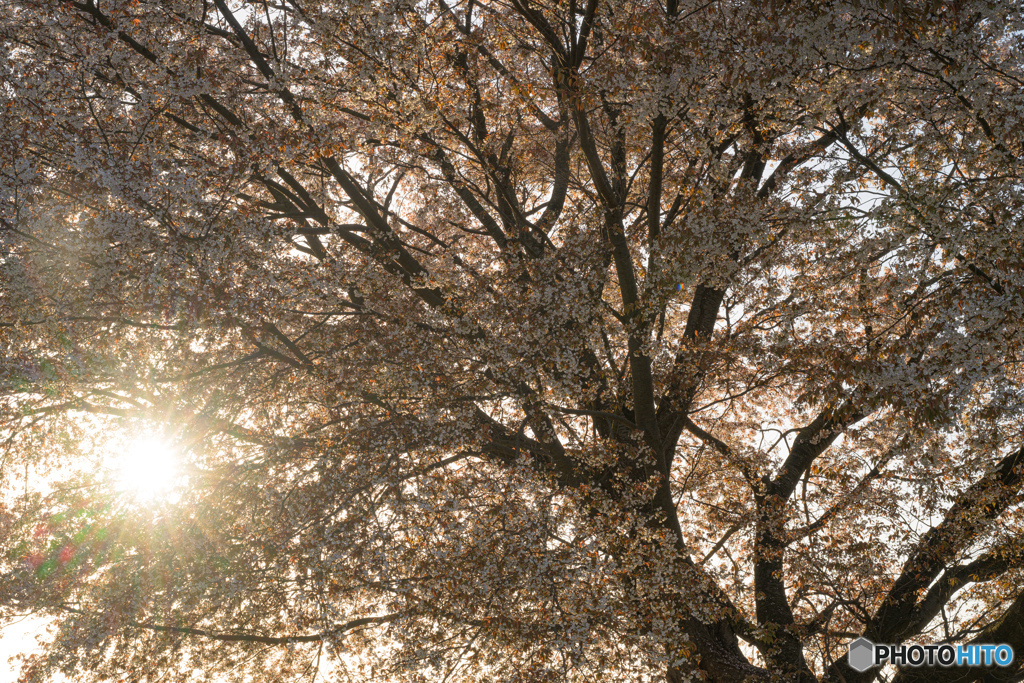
148, 469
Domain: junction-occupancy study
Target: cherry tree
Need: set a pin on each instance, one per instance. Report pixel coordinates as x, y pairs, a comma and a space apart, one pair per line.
523, 340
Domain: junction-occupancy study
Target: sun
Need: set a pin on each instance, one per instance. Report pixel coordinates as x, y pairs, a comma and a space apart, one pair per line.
148, 469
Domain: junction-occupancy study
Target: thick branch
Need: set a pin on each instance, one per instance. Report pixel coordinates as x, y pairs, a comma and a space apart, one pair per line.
1008, 629
982, 502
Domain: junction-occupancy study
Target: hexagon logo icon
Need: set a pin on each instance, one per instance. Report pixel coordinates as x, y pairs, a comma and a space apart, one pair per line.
861, 656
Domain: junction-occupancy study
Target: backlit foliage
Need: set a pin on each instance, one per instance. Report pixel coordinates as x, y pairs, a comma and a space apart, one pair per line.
512, 340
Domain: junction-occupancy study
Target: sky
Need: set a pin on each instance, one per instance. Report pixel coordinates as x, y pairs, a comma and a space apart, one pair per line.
18, 638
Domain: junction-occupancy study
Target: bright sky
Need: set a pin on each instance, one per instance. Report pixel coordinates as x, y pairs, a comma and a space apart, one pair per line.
18, 638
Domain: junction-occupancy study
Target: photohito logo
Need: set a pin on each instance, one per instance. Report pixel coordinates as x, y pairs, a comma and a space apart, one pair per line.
864, 654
